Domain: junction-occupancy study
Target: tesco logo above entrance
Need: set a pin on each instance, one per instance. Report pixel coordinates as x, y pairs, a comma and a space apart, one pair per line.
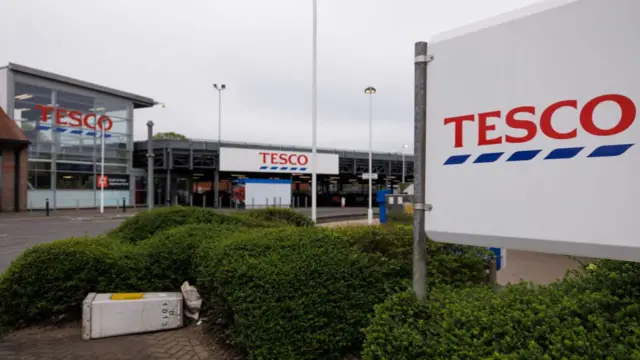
525, 124
74, 118
283, 159
275, 161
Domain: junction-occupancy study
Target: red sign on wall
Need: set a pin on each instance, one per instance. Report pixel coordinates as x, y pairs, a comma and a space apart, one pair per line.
75, 118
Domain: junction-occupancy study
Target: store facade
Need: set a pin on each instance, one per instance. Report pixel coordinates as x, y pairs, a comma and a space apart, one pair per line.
65, 121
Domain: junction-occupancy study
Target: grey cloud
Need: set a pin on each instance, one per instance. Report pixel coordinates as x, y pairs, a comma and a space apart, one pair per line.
173, 51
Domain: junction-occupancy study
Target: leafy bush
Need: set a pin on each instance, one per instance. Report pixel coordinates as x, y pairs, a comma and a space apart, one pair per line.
292, 293
285, 216
143, 225
49, 281
447, 264
399, 217
169, 256
519, 322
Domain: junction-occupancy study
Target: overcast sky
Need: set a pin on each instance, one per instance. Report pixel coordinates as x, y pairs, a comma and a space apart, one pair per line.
172, 51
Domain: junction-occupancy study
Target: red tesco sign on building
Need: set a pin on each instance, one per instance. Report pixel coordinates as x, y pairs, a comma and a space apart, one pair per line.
514, 120
275, 158
75, 118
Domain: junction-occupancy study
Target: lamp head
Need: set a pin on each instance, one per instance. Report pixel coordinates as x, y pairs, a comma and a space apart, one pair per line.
370, 90
149, 123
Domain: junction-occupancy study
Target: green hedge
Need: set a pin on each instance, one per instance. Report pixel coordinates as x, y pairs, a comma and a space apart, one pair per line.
292, 293
284, 216
49, 281
519, 322
145, 224
447, 264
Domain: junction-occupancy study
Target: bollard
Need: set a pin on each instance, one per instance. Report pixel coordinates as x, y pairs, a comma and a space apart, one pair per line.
305, 201
219, 202
252, 205
297, 201
175, 201
124, 204
204, 201
343, 202
46, 207
77, 205
267, 204
274, 202
279, 202
190, 199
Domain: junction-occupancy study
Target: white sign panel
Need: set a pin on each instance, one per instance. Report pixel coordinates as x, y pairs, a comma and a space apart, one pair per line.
532, 124
274, 161
374, 176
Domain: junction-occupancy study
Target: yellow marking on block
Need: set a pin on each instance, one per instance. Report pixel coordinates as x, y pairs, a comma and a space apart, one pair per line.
127, 296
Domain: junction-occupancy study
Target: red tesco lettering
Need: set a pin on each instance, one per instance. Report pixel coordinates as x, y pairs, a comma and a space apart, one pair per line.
275, 158
521, 118
75, 118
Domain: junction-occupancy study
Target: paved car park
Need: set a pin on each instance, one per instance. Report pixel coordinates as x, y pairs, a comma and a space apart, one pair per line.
19, 231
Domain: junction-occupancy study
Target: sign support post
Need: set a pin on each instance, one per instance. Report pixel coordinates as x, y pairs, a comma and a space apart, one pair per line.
150, 164
419, 206
102, 131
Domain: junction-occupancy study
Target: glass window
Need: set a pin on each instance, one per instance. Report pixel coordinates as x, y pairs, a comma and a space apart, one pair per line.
39, 175
74, 181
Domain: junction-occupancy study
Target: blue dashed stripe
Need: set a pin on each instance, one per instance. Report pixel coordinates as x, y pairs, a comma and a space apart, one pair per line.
488, 158
564, 153
281, 168
610, 150
524, 155
527, 155
73, 131
457, 159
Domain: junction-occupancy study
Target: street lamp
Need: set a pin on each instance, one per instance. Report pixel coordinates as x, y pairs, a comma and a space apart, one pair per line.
370, 91
314, 111
403, 162
216, 180
102, 179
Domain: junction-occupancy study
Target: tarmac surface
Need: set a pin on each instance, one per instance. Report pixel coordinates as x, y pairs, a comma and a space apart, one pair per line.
19, 231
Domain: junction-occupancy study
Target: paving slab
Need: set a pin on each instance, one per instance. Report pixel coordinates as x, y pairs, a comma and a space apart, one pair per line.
65, 343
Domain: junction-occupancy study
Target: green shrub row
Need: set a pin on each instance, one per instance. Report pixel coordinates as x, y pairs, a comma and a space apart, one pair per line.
153, 250
285, 289
592, 315
307, 293
145, 224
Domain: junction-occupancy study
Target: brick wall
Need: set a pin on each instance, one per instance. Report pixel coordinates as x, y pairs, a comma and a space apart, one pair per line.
7, 195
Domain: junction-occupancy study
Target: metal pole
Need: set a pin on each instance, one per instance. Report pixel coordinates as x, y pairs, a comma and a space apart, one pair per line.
403, 167
314, 90
216, 177
102, 182
370, 210
419, 206
150, 163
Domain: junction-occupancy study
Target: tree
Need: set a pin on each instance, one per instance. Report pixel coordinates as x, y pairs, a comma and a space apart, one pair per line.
170, 135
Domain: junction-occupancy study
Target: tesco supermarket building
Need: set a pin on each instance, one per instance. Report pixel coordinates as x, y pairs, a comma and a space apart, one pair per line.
50, 149
62, 118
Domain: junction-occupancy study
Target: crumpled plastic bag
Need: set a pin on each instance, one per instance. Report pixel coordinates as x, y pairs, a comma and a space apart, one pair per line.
192, 299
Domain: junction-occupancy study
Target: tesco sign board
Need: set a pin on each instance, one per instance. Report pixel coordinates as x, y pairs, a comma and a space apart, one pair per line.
275, 161
74, 118
532, 134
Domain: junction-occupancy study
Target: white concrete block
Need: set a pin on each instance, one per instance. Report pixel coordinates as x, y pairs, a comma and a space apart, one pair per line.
105, 315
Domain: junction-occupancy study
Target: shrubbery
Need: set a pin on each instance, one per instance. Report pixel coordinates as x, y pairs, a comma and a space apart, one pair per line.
447, 263
145, 224
51, 280
293, 293
559, 321
277, 216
